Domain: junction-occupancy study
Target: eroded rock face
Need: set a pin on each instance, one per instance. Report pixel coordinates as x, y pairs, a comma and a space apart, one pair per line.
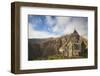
50, 46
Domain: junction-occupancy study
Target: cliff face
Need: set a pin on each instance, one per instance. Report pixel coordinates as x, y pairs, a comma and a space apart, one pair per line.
51, 46
38, 48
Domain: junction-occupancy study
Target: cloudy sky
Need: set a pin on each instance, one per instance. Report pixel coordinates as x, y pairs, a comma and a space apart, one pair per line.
55, 26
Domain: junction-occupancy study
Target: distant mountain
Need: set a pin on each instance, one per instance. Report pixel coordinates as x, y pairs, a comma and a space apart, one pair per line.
33, 41
39, 49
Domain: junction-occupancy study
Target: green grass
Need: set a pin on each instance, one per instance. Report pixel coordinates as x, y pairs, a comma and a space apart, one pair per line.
52, 57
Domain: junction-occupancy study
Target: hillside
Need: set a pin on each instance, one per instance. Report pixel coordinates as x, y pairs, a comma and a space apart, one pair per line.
42, 49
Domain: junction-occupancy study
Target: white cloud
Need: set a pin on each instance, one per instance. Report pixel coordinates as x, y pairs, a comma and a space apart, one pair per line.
66, 26
61, 26
50, 21
37, 34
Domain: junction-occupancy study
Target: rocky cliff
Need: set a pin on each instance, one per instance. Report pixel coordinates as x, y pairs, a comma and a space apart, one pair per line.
42, 48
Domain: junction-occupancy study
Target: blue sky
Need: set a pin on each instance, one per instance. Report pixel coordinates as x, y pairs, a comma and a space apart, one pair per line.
41, 26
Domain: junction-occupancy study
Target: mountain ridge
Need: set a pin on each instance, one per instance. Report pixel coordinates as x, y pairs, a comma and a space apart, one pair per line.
50, 46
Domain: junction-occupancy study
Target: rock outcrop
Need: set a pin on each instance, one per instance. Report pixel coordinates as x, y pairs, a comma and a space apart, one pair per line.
43, 48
